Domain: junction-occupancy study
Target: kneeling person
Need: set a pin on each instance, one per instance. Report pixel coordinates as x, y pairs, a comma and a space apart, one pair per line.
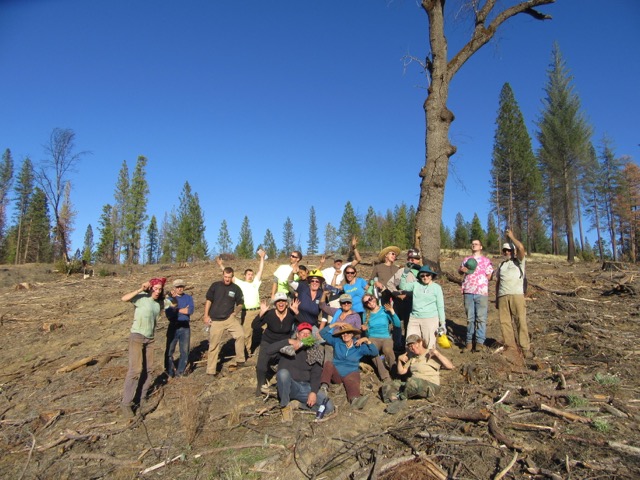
298, 376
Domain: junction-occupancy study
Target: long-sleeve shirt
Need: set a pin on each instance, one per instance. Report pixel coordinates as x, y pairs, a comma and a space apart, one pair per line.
378, 323
276, 329
352, 319
173, 313
428, 300
297, 365
347, 359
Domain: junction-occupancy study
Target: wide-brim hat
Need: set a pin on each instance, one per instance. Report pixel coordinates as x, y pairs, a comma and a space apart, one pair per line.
384, 251
427, 269
347, 329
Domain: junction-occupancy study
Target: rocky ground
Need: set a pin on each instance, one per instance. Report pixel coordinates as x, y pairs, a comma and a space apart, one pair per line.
571, 412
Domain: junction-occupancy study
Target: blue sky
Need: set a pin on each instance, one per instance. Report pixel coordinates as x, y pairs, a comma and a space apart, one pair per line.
269, 108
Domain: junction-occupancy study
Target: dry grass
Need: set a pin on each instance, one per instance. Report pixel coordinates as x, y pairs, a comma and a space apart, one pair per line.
192, 411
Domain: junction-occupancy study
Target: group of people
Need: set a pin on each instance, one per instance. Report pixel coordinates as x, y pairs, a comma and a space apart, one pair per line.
319, 324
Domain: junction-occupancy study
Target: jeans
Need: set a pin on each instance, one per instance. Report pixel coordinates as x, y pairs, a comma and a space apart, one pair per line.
289, 389
177, 336
139, 376
476, 307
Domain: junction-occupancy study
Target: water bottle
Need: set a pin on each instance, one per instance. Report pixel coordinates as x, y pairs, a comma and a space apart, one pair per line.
322, 408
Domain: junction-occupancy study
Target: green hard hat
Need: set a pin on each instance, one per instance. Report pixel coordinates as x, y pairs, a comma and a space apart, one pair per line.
471, 265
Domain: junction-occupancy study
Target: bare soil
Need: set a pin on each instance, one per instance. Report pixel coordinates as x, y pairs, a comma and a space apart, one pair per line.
570, 412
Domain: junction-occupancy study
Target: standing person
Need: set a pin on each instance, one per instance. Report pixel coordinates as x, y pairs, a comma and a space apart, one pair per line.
221, 309
281, 275
335, 275
280, 321
345, 367
384, 270
356, 287
403, 301
477, 270
510, 296
376, 326
428, 305
179, 331
250, 287
148, 301
298, 376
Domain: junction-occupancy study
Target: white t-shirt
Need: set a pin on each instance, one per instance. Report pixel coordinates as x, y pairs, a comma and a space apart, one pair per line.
328, 273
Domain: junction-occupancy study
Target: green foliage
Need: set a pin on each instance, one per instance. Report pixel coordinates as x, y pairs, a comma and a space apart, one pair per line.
23, 195
371, 235
607, 379
313, 242
476, 231
224, 239
37, 245
349, 226
601, 425
269, 244
168, 237
189, 235
576, 401
461, 234
446, 239
331, 242
6, 180
120, 206
309, 341
492, 240
402, 238
136, 211
288, 237
244, 249
87, 250
153, 245
106, 250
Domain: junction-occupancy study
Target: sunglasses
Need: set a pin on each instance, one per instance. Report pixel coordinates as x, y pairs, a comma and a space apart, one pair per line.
349, 273
314, 281
346, 303
294, 256
367, 300
422, 275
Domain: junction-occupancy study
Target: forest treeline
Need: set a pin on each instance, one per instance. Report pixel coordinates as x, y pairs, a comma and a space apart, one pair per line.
542, 195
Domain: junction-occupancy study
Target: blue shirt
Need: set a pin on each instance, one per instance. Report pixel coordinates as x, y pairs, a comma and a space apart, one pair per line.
172, 313
378, 323
357, 291
347, 359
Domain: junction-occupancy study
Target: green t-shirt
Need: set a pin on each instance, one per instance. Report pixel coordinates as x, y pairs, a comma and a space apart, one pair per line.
146, 314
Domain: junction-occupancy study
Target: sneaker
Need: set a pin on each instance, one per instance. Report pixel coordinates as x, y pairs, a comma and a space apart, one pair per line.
358, 403
287, 414
324, 387
288, 350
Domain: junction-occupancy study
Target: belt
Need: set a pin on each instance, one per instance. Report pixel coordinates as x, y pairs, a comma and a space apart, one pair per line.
250, 309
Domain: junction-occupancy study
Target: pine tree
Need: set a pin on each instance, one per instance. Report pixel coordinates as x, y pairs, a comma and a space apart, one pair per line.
349, 226
371, 236
65, 221
564, 137
387, 230
24, 192
6, 180
120, 206
38, 247
87, 251
476, 232
446, 240
190, 241
608, 180
461, 233
136, 211
515, 177
224, 239
492, 240
168, 237
269, 244
244, 249
313, 242
331, 242
153, 245
106, 250
288, 237
401, 227
627, 208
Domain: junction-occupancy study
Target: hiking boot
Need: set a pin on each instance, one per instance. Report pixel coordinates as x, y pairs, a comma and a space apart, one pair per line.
395, 407
358, 403
325, 388
287, 414
126, 411
468, 348
528, 354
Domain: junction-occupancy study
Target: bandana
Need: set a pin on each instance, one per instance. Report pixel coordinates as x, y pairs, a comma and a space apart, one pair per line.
158, 281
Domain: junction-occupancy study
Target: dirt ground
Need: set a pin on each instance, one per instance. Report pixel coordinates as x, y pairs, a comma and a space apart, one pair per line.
571, 412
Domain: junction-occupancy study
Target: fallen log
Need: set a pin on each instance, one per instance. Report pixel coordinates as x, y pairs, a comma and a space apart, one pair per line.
566, 293
439, 437
80, 363
481, 415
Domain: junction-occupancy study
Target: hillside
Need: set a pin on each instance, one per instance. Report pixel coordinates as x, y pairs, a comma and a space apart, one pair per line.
571, 412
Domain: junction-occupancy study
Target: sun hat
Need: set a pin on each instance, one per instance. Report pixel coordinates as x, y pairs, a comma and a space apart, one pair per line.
346, 329
384, 251
413, 339
179, 283
304, 326
471, 265
345, 297
427, 269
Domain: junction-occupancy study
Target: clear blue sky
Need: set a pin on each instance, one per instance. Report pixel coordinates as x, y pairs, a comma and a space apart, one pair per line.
268, 108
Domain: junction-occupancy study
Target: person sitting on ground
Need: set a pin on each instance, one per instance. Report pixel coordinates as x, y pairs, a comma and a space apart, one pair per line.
299, 372
427, 314
178, 333
344, 314
309, 293
280, 321
345, 367
424, 366
376, 326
